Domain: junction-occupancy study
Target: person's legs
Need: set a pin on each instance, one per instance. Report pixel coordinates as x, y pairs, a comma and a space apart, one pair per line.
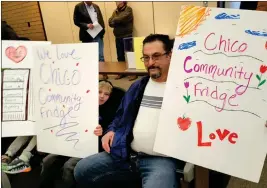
120, 49
16, 145
21, 164
120, 53
100, 48
51, 168
67, 172
98, 170
158, 172
27, 152
101, 52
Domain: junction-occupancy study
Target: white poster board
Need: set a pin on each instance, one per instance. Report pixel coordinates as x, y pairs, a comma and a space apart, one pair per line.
66, 98
215, 102
16, 85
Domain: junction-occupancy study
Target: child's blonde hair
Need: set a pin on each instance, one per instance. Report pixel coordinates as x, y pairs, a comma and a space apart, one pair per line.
106, 85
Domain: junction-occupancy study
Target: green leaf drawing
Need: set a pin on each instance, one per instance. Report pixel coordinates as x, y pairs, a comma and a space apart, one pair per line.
262, 82
258, 77
185, 98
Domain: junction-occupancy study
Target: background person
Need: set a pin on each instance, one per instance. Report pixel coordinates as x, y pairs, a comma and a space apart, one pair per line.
122, 22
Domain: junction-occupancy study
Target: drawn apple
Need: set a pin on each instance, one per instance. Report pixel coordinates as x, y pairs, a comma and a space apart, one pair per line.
184, 123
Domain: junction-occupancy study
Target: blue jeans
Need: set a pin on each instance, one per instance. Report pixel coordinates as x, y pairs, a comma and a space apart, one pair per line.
100, 47
155, 172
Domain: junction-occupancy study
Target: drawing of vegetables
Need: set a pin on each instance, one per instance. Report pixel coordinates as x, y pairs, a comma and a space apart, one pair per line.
187, 97
263, 70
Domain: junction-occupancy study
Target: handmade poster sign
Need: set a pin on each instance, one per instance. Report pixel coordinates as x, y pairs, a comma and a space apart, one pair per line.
66, 98
214, 107
138, 52
16, 86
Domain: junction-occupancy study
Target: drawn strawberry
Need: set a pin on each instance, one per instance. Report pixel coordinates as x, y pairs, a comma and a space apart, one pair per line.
184, 123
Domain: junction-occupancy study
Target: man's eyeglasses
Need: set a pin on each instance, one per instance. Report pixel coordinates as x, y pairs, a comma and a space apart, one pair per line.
154, 57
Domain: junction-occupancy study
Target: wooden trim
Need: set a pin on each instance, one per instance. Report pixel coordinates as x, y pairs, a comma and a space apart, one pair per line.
41, 16
201, 177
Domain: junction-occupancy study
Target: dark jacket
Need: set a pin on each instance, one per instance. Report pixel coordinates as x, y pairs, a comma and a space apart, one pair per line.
124, 120
108, 110
82, 18
122, 22
7, 32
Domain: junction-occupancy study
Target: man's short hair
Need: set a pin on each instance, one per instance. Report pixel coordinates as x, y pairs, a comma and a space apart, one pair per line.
165, 39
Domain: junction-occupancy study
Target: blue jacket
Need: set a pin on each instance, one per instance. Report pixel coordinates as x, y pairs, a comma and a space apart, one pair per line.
124, 120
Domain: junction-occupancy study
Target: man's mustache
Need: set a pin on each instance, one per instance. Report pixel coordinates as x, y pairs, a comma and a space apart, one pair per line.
153, 67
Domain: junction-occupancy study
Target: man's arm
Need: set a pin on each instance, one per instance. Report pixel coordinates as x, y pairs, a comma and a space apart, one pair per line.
115, 124
110, 20
77, 19
124, 17
116, 121
101, 17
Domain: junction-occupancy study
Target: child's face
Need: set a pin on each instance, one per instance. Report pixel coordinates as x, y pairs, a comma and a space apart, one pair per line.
103, 95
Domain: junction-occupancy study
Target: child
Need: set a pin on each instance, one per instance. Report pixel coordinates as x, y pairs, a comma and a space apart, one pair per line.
108, 104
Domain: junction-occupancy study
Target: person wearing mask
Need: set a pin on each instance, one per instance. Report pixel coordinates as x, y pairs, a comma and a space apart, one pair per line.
85, 16
122, 22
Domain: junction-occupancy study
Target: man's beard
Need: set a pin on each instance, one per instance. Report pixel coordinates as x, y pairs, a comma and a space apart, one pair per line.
155, 75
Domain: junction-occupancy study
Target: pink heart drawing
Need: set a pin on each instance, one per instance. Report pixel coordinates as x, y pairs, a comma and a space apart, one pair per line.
16, 54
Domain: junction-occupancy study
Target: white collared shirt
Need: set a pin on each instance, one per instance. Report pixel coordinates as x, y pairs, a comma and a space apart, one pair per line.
92, 13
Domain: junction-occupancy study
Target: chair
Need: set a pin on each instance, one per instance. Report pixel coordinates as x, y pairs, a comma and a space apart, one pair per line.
187, 175
5, 183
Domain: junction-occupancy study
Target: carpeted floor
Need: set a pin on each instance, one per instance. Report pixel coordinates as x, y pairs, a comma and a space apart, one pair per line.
234, 182
239, 183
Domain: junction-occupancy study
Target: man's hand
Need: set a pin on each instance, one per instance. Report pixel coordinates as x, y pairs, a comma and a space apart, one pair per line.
98, 131
107, 140
90, 26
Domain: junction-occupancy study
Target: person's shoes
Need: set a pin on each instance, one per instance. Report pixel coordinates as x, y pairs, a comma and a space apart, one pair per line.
131, 78
105, 77
5, 160
17, 166
119, 77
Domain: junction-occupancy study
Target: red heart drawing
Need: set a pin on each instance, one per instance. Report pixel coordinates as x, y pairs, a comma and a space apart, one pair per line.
16, 54
86, 130
88, 91
77, 64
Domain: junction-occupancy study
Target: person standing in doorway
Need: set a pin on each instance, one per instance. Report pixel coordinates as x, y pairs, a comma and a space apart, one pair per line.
122, 22
85, 16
